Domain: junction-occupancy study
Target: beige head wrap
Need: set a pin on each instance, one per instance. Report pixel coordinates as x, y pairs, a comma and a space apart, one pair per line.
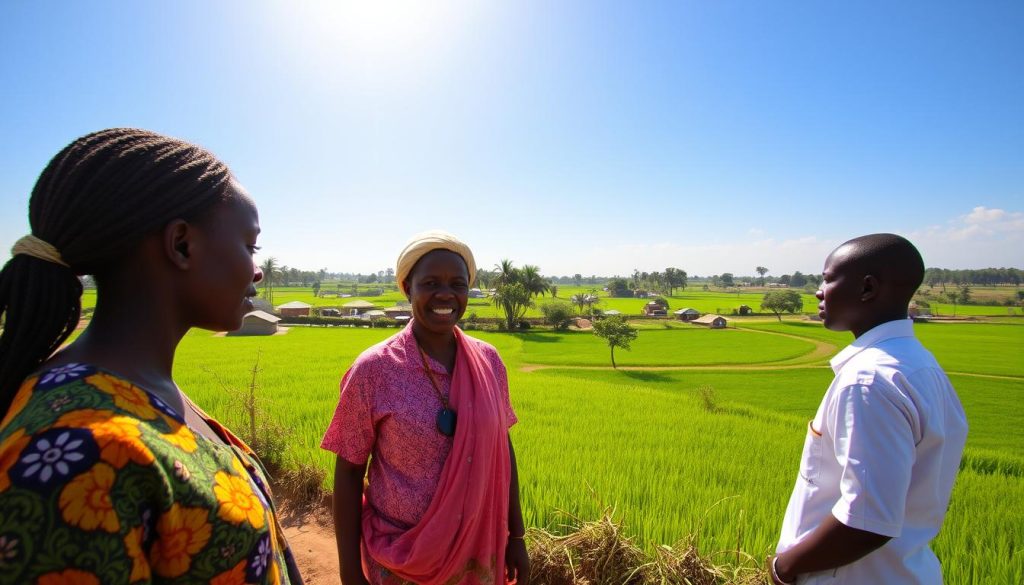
426, 242
37, 248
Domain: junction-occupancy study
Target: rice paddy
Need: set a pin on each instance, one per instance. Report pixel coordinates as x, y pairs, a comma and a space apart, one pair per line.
650, 445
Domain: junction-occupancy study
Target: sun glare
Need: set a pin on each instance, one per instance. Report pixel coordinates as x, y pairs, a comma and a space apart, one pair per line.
399, 36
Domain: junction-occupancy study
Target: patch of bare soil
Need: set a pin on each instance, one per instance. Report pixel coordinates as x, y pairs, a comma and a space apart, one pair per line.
310, 533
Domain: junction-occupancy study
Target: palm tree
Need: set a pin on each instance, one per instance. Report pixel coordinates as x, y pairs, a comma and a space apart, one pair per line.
269, 268
762, 271
533, 281
582, 300
506, 273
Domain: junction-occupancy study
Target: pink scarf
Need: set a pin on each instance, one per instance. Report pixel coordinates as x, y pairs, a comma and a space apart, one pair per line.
462, 535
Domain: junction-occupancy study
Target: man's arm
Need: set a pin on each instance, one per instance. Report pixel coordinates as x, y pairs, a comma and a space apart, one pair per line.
832, 544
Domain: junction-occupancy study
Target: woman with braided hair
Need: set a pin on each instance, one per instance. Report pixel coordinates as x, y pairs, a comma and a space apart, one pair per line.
108, 472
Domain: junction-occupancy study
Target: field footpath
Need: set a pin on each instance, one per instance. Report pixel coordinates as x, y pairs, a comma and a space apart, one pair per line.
822, 351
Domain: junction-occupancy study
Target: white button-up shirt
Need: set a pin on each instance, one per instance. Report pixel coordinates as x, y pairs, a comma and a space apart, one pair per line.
881, 455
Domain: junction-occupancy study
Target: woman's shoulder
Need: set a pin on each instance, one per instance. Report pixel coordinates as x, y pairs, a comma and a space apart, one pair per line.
384, 355
82, 397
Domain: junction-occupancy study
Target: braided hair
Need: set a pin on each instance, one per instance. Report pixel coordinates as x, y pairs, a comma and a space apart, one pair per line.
94, 202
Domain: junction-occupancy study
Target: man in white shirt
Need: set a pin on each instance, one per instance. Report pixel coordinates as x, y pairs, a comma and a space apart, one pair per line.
883, 450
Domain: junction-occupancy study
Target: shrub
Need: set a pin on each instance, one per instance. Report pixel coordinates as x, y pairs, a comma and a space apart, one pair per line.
558, 314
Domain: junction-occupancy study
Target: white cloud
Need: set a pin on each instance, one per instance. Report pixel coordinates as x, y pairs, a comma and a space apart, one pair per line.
806, 254
984, 237
981, 215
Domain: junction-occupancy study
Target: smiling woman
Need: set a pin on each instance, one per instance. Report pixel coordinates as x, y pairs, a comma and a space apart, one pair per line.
428, 412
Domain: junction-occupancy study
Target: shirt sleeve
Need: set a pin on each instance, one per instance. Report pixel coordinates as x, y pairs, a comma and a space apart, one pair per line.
351, 433
874, 445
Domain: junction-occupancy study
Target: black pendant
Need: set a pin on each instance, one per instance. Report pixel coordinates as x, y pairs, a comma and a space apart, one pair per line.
446, 422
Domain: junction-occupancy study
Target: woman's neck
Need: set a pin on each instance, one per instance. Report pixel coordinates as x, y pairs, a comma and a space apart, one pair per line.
137, 342
440, 346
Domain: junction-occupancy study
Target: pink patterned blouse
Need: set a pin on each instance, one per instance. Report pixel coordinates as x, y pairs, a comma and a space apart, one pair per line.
387, 412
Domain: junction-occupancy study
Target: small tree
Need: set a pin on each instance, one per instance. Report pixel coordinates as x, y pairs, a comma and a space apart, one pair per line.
619, 287
965, 294
782, 301
674, 278
512, 299
558, 314
727, 280
316, 288
616, 332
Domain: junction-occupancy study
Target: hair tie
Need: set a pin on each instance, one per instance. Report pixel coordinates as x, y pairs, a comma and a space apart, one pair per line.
32, 246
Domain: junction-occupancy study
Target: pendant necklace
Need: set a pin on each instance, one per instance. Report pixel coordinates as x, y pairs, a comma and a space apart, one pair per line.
446, 416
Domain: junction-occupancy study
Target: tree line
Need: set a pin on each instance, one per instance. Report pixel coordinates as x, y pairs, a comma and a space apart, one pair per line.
982, 276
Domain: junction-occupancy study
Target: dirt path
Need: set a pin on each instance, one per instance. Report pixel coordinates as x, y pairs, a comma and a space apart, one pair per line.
822, 350
311, 537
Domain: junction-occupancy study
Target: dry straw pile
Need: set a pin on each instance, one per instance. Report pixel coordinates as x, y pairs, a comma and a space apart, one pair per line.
598, 553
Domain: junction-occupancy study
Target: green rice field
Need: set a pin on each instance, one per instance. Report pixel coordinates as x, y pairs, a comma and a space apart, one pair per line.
714, 301
640, 440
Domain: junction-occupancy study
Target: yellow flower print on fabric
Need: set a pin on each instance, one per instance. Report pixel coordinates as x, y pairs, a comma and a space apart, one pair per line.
236, 576
21, 398
181, 533
118, 437
10, 449
238, 503
85, 500
180, 436
140, 565
126, 395
68, 577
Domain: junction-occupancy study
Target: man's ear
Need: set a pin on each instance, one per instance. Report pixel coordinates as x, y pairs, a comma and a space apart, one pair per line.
870, 288
177, 240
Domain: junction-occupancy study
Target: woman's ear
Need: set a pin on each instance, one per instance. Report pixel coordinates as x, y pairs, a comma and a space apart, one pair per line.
177, 243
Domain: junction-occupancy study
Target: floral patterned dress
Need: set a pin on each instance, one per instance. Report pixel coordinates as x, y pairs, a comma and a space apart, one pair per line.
102, 482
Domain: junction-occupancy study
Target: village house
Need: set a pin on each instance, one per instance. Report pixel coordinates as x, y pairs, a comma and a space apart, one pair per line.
294, 309
687, 314
358, 307
711, 320
398, 311
258, 323
655, 309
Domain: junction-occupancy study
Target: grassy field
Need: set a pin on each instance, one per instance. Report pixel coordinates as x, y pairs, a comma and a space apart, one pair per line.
704, 301
643, 442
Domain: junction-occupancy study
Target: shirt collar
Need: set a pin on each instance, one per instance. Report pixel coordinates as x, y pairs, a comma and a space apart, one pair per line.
874, 336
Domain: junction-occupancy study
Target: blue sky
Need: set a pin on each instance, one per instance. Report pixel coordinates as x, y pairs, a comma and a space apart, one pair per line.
591, 137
